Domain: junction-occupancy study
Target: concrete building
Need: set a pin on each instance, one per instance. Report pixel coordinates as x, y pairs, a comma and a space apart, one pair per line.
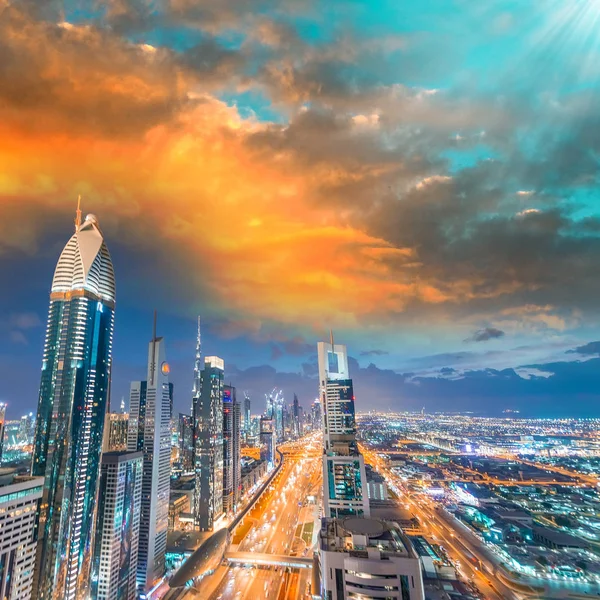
208, 425
117, 530
19, 498
149, 432
368, 558
376, 486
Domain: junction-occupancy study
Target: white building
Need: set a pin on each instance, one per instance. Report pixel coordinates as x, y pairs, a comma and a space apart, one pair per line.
19, 497
366, 558
118, 526
149, 432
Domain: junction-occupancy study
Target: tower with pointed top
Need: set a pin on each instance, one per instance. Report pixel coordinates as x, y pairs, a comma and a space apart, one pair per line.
72, 403
149, 433
197, 369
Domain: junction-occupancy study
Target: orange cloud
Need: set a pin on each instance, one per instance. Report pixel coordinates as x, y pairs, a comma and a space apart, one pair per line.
235, 205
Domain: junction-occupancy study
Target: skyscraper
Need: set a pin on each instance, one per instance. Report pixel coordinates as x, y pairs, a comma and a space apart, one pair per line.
149, 432
72, 404
186, 442
118, 525
26, 429
344, 476
246, 423
197, 370
296, 417
231, 449
2, 422
208, 426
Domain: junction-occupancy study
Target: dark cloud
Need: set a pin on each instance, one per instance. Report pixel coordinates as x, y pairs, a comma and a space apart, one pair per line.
589, 349
374, 353
483, 335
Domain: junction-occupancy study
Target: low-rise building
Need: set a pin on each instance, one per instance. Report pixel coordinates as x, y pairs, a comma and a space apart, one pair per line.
368, 558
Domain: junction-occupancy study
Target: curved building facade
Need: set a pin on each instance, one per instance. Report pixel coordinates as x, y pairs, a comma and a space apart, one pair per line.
72, 404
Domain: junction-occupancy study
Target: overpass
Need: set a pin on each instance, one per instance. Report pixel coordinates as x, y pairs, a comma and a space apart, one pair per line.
271, 560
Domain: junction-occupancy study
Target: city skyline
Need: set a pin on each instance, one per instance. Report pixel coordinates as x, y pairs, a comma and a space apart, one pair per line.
438, 210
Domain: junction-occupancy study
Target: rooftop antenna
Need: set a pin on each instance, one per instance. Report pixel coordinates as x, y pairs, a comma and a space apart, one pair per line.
331, 339
78, 214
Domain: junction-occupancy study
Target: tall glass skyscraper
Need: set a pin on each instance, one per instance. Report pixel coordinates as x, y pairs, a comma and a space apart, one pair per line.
344, 479
149, 432
208, 425
72, 404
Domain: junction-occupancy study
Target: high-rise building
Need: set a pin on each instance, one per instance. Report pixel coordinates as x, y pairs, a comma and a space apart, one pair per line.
196, 390
186, 442
149, 432
2, 426
316, 416
208, 427
26, 429
72, 404
19, 499
296, 421
267, 440
118, 424
117, 529
246, 423
231, 449
344, 479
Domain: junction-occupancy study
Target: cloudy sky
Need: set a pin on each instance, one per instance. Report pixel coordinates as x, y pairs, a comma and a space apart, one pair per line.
420, 176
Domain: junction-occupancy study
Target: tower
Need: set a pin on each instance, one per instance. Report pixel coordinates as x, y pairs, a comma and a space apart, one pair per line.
197, 369
344, 477
149, 432
117, 530
208, 425
71, 411
231, 448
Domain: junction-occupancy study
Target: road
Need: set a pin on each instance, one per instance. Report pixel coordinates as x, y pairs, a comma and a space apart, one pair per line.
271, 528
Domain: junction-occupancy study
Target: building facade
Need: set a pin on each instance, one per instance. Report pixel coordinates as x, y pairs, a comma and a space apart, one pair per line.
118, 425
368, 558
208, 428
267, 440
19, 498
117, 529
186, 442
231, 449
149, 432
2, 426
344, 477
71, 411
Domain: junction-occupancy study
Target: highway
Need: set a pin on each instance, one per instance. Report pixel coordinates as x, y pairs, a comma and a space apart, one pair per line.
440, 532
271, 528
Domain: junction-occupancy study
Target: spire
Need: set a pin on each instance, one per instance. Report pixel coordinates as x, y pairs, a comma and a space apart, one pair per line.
198, 362
78, 214
153, 364
331, 339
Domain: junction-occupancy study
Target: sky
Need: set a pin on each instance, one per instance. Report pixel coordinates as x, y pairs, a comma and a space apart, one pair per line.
419, 176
